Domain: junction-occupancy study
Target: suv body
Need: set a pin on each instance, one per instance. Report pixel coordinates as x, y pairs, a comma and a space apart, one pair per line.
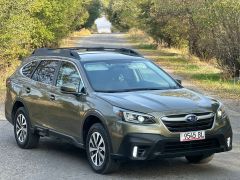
72, 94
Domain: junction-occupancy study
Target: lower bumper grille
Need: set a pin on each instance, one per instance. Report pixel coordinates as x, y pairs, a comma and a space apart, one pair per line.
177, 147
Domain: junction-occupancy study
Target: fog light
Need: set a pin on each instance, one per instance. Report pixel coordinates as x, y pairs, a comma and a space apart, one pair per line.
135, 150
229, 142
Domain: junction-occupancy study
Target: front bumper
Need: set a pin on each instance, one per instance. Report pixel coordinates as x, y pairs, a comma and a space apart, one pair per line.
151, 146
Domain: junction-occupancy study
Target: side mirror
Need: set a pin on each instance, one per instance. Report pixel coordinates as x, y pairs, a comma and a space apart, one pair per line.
179, 81
69, 89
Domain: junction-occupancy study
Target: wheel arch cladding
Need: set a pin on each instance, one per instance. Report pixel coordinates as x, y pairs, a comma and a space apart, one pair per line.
16, 106
89, 121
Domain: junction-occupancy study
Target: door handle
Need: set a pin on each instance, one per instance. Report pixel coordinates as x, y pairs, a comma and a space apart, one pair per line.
52, 97
28, 90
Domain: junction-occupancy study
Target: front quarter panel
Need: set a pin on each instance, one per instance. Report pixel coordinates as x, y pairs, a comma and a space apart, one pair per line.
95, 106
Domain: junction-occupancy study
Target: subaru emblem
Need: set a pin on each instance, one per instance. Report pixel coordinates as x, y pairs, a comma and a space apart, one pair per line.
191, 118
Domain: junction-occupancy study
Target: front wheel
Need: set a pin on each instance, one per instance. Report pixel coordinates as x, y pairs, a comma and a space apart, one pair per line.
200, 159
98, 150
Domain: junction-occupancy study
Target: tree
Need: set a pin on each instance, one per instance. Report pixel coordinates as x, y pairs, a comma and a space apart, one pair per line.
25, 24
94, 10
123, 14
209, 28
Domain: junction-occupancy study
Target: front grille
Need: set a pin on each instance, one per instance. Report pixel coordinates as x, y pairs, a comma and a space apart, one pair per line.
178, 123
177, 147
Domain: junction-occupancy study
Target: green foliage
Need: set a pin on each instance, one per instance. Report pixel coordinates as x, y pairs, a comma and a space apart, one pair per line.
94, 10
123, 14
209, 28
226, 33
29, 24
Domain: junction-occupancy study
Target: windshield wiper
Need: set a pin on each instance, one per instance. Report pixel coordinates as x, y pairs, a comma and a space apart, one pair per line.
130, 90
143, 89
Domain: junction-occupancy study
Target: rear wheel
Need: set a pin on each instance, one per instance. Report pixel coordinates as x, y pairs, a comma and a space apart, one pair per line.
23, 135
98, 150
200, 159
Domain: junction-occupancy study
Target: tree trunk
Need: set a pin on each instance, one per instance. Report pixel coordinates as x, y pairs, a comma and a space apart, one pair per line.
193, 47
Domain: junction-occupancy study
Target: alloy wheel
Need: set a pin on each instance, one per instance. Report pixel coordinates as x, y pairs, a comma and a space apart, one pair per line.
97, 149
21, 128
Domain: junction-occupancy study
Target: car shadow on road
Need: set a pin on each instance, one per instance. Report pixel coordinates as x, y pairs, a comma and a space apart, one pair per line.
167, 168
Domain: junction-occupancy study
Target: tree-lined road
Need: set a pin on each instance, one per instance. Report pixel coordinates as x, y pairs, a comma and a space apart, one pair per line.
54, 159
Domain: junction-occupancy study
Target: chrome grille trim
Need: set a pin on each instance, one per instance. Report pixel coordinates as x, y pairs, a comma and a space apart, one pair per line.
179, 123
167, 118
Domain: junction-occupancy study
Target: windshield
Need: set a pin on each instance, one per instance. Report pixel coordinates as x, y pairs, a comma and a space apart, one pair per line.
123, 76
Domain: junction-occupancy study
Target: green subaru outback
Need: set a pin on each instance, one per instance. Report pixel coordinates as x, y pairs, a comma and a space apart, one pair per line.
115, 104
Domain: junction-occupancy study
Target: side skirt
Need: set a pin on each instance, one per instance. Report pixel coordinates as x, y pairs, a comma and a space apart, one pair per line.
45, 132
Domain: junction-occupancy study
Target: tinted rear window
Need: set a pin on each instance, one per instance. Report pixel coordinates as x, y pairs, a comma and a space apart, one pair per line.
28, 69
45, 72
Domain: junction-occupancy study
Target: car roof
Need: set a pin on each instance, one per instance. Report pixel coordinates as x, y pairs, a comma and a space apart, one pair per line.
89, 53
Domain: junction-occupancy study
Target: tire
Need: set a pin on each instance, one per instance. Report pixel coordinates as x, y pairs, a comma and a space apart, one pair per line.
22, 130
98, 153
200, 159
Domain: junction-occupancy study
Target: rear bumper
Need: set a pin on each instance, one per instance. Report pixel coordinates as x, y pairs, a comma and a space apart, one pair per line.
151, 146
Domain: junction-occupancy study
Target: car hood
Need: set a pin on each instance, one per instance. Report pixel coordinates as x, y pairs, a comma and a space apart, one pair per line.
172, 101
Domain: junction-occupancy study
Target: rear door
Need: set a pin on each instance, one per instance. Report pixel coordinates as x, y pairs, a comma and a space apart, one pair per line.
38, 92
22, 86
67, 109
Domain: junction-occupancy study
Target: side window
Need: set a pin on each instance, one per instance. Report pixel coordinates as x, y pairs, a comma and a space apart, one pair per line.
45, 72
68, 75
28, 69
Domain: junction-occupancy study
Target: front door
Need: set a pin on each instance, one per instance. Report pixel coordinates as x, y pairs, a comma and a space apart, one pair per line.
66, 112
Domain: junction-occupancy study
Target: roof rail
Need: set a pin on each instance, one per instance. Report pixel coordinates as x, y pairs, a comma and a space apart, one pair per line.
71, 51
126, 51
55, 52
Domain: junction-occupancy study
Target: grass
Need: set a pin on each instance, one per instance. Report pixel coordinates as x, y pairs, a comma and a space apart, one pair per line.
205, 75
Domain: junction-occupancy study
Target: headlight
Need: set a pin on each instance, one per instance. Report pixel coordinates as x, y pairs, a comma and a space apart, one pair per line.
221, 113
134, 117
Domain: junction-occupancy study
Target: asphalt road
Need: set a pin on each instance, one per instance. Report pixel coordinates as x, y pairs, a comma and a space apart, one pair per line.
54, 159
